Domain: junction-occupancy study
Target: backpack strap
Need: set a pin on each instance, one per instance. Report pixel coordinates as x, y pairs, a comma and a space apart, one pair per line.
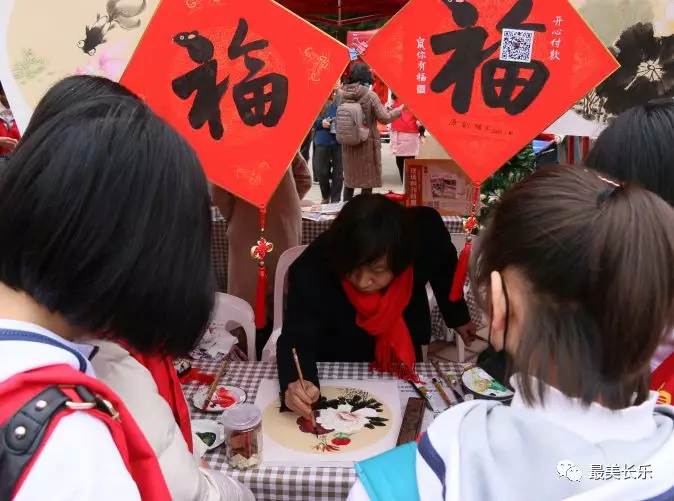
22, 437
25, 433
51, 393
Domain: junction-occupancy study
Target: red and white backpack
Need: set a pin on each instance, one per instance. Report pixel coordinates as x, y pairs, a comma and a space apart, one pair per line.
33, 402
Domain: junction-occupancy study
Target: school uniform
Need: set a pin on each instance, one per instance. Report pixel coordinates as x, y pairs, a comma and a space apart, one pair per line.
483, 450
80, 460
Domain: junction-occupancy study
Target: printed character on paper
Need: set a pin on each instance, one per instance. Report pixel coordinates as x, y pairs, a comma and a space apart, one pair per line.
258, 99
122, 13
511, 82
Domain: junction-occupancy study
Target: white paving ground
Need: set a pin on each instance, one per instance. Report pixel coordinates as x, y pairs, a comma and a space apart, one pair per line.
390, 176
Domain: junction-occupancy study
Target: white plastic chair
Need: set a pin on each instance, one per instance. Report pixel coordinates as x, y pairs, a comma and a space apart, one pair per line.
284, 262
231, 310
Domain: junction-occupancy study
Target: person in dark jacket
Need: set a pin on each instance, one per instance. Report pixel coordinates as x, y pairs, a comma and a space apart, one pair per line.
327, 160
370, 270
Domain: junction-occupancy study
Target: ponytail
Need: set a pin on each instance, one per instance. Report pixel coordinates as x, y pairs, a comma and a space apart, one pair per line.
597, 259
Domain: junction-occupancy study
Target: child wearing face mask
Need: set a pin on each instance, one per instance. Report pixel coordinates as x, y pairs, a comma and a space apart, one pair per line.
575, 273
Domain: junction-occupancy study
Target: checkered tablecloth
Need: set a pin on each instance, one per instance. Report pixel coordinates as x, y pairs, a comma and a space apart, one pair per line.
286, 483
311, 230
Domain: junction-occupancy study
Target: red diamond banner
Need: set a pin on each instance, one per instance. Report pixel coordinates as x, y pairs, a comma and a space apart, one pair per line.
486, 76
242, 81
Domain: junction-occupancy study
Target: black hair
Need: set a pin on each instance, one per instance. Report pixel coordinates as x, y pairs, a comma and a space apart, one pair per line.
70, 91
639, 146
105, 220
360, 73
597, 262
369, 228
3, 97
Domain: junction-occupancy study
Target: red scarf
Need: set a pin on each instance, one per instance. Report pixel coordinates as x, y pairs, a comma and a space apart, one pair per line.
381, 315
168, 384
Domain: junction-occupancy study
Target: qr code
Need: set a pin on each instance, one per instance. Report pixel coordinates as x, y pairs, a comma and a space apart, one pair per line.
517, 45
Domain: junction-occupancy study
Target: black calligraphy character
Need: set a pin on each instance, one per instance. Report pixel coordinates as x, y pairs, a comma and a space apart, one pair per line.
203, 81
504, 84
251, 95
468, 55
516, 16
511, 90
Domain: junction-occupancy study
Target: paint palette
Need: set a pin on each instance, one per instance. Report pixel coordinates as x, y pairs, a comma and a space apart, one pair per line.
211, 433
477, 382
225, 396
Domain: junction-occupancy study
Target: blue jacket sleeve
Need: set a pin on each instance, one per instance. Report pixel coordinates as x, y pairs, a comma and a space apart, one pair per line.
391, 476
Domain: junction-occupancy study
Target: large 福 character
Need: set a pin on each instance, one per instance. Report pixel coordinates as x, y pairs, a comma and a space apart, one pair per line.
503, 84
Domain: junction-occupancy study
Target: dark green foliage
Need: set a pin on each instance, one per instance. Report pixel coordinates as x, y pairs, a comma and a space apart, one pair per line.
517, 168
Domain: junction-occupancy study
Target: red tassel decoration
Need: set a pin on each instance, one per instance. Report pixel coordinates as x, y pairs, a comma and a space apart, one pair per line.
261, 297
461, 272
259, 252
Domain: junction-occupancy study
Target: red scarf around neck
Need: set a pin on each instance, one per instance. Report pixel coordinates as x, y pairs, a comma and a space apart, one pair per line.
381, 315
168, 385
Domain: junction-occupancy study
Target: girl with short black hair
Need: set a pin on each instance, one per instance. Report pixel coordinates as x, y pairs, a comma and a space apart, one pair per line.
105, 222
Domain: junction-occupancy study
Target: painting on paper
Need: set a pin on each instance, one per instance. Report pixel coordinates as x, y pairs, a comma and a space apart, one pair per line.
640, 34
355, 420
43, 41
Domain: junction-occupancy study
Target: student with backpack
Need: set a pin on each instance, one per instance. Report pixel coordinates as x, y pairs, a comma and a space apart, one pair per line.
327, 160
356, 130
105, 224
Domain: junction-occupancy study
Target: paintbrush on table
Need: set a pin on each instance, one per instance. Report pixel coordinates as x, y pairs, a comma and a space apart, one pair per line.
442, 393
214, 384
299, 373
444, 377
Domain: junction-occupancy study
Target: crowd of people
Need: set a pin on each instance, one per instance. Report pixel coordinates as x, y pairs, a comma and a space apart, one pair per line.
340, 169
106, 274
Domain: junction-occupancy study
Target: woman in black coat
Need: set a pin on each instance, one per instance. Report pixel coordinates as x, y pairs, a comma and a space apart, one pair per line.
358, 294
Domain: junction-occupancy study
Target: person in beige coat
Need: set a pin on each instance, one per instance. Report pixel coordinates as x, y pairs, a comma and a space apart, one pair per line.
186, 478
283, 228
362, 162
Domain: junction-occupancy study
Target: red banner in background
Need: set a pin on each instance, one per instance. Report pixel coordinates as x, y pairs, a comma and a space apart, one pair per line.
486, 76
358, 40
231, 80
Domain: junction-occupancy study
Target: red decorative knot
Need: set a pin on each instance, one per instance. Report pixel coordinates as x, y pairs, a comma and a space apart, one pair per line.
471, 223
261, 249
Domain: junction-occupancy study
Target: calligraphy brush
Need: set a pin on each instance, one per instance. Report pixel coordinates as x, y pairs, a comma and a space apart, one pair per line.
299, 373
214, 384
447, 380
442, 393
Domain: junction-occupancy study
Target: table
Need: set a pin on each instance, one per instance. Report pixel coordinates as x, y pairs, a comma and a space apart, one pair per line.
287, 483
310, 231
